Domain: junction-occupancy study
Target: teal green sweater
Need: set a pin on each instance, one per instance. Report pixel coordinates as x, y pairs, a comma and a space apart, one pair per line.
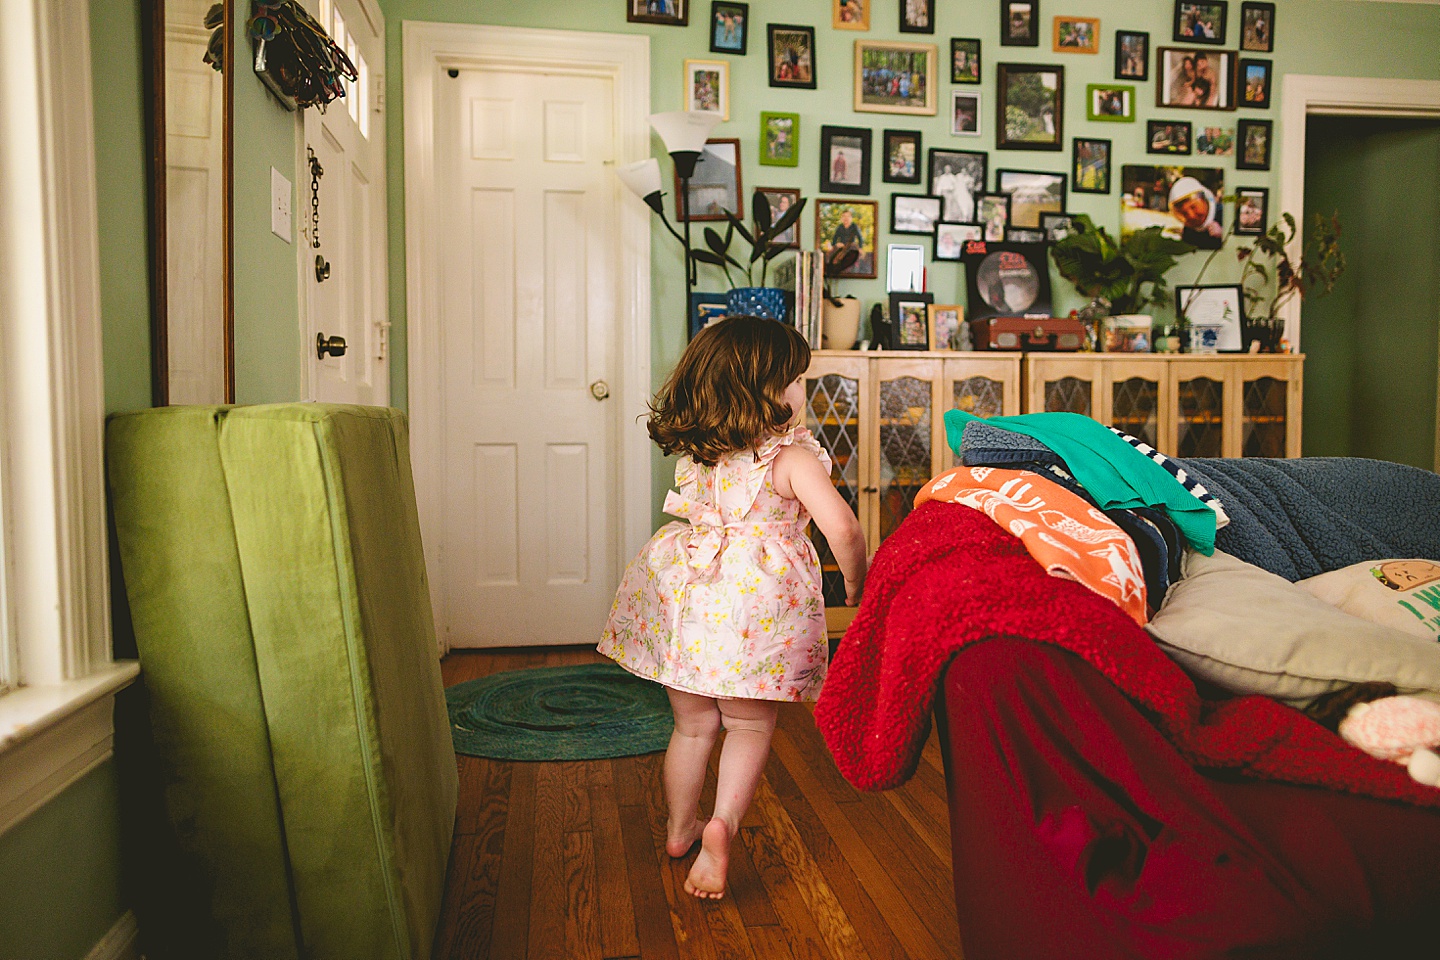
1114, 473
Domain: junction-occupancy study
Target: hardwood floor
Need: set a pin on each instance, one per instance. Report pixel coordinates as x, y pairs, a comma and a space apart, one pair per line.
566, 861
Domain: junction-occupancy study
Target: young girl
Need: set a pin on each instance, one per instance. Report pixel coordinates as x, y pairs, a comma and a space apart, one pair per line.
724, 606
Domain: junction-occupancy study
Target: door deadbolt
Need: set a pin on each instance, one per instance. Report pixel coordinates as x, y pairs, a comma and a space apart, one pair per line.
599, 389
334, 346
322, 268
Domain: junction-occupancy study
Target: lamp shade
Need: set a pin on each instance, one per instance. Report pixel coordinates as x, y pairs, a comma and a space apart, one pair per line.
642, 176
684, 131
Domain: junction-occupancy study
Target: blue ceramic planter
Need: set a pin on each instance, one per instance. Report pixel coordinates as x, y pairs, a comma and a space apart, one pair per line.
756, 302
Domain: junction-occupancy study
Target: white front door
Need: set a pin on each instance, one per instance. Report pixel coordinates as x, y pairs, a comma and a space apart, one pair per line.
348, 142
529, 236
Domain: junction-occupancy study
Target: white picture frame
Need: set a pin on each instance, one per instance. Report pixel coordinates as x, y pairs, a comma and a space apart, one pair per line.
1220, 307
905, 268
707, 87
965, 113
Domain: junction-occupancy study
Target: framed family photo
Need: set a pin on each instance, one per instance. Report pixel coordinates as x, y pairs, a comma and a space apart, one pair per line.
1255, 83
1032, 194
781, 199
1019, 23
1200, 21
1257, 27
1110, 101
917, 16
1076, 35
715, 184
845, 159
1090, 167
780, 139
850, 14
1252, 144
957, 177
945, 320
848, 223
1167, 136
993, 212
1030, 109
792, 55
729, 27
965, 113
902, 156
910, 320
1215, 141
895, 77
707, 87
914, 213
1132, 55
674, 13
1199, 79
950, 238
964, 60
1252, 211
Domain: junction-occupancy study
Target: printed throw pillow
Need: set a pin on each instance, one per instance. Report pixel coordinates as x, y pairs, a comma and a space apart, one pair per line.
1404, 594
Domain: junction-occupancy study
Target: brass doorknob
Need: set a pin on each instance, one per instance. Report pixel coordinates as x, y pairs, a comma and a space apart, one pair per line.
334, 346
599, 389
322, 269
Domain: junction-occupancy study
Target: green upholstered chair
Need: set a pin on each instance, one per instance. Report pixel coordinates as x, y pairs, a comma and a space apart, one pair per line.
272, 562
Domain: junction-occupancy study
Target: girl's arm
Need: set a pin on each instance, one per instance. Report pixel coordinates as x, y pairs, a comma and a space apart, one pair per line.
801, 476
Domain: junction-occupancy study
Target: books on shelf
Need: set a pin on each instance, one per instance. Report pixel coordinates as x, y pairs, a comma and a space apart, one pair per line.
809, 295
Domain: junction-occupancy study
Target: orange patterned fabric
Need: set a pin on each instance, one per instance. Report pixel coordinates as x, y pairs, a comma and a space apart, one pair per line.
1065, 535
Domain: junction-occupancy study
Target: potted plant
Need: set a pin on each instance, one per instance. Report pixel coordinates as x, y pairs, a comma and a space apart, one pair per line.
839, 316
754, 299
1122, 278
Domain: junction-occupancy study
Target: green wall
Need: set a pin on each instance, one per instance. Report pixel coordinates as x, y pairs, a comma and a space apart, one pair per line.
1370, 378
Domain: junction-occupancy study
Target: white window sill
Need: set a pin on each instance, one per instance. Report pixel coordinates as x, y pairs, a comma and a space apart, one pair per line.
51, 736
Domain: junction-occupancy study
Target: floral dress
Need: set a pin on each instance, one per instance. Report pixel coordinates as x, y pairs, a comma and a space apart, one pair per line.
726, 602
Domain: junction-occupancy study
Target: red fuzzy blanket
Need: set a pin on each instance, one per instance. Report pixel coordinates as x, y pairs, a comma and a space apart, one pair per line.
949, 577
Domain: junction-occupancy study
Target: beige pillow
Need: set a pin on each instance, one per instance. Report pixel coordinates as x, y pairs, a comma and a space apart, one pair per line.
1404, 594
1249, 631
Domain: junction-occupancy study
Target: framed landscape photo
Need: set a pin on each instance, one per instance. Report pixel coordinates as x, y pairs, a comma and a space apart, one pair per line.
1167, 136
1076, 35
917, 16
1253, 139
1030, 108
781, 199
945, 320
850, 14
964, 60
902, 156
1216, 316
845, 159
1255, 83
1019, 23
1200, 21
965, 113
1257, 27
1252, 211
729, 27
993, 212
780, 139
1215, 141
792, 55
914, 213
1032, 193
910, 321
1090, 167
707, 87
1110, 101
895, 77
1184, 202
848, 223
957, 177
950, 238
1132, 55
1199, 79
674, 13
715, 185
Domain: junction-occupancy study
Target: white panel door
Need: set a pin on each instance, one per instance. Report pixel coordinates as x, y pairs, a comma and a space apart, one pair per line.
528, 322
348, 140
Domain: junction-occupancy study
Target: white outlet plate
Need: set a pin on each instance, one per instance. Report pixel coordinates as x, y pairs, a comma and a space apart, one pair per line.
279, 205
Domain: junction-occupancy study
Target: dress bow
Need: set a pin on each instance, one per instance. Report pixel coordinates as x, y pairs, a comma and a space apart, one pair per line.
707, 529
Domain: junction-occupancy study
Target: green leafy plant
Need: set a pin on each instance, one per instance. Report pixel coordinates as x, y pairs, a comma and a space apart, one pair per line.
1130, 275
763, 247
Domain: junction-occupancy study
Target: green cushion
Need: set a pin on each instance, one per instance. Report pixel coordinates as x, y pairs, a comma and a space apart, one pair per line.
322, 525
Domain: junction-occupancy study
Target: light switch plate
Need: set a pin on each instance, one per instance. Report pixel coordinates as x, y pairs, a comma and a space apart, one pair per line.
279, 205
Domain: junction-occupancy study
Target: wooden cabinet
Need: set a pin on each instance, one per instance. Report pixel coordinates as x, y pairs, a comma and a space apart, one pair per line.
880, 417
1184, 405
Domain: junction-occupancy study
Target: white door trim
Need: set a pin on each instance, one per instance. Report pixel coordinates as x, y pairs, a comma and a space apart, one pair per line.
1304, 94
429, 48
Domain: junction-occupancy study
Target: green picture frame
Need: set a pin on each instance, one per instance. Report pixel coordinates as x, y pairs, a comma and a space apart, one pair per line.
1110, 102
780, 139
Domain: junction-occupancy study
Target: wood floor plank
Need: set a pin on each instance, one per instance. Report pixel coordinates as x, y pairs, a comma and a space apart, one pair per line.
747, 891
548, 887
612, 870
727, 930
457, 896
796, 926
797, 720
653, 926
628, 773
909, 804
582, 918
576, 779
486, 784
692, 931
511, 930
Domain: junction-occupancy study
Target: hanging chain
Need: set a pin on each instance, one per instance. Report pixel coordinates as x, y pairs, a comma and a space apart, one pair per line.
316, 172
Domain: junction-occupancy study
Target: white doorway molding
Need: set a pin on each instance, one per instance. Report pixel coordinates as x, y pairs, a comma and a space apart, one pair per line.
429, 49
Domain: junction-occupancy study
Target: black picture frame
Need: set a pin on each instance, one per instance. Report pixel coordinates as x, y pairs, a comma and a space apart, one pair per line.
1019, 23
719, 8
972, 166
1024, 235
638, 11
1265, 69
940, 251
893, 139
1015, 135
1007, 181
990, 297
1169, 65
780, 32
699, 315
1126, 58
1254, 144
909, 26
970, 46
1171, 145
930, 200
833, 139
1056, 226
1086, 174
771, 196
1256, 225
901, 336
1257, 27
1201, 21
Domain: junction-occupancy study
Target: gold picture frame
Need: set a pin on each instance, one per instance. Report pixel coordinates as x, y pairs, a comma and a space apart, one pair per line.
884, 77
850, 14
942, 317
1076, 34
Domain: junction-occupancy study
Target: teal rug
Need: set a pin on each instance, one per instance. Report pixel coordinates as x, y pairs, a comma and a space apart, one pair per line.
589, 712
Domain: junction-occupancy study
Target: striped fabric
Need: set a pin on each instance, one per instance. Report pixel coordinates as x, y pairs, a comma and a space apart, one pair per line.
1186, 481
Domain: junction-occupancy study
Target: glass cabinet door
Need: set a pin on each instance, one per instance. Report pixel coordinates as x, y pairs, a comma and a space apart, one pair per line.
836, 391
1064, 384
906, 425
1265, 415
985, 386
1135, 395
1200, 411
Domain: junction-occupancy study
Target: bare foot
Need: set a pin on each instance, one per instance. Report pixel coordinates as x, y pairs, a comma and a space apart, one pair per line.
677, 844
707, 876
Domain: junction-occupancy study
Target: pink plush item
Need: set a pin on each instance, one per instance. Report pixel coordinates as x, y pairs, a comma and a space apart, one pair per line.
1402, 729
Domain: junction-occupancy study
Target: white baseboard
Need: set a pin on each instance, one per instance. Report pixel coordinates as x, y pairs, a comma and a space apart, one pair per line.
121, 943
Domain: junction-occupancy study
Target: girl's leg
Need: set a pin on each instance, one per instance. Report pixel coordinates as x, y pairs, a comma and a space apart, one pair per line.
697, 723
748, 726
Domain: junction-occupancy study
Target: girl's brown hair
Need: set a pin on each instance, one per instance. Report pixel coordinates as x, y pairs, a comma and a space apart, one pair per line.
727, 392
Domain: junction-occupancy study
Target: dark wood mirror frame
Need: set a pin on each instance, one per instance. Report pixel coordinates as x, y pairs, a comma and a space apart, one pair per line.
153, 12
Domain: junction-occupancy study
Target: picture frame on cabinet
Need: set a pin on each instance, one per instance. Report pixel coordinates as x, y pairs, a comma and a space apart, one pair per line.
1255, 83
845, 159
957, 177
893, 77
1215, 314
945, 320
850, 14
1019, 23
904, 268
1252, 211
1257, 27
1132, 55
833, 230
1253, 140
1037, 93
910, 320
1007, 280
715, 185
964, 60
1076, 35
670, 13
780, 139
1200, 21
914, 213
1113, 102
791, 50
917, 16
1090, 165
729, 27
707, 87
965, 113
902, 156
1032, 193
950, 238
1167, 136
1195, 79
